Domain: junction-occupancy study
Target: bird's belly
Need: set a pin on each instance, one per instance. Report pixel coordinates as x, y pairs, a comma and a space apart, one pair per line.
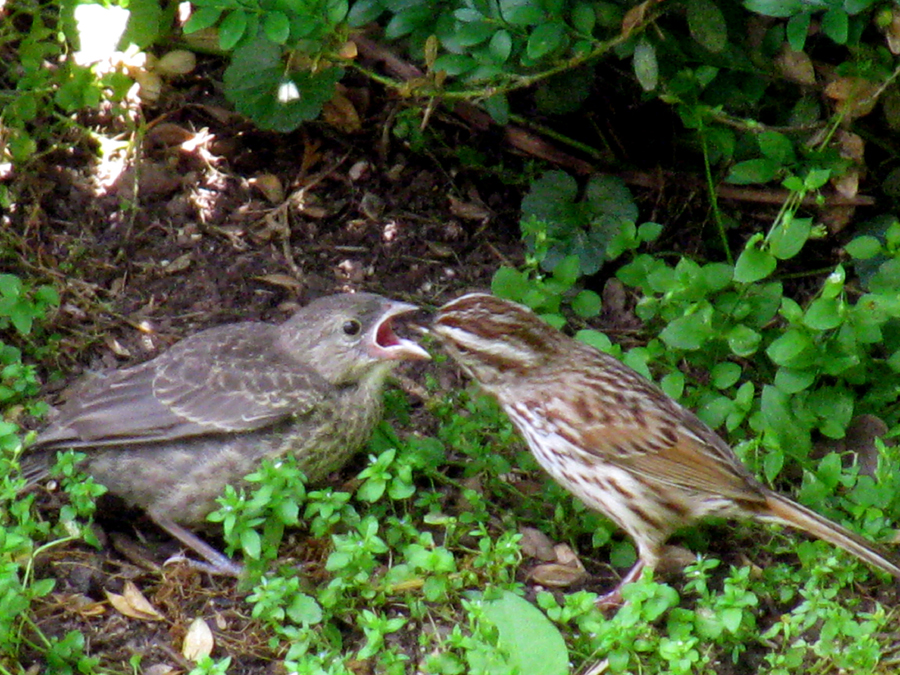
177, 481
642, 509
181, 480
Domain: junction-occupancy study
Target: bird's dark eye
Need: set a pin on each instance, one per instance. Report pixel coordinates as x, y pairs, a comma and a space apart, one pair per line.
352, 327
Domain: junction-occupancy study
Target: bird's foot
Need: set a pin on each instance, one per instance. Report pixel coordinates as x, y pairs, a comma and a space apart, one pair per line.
217, 563
614, 599
221, 568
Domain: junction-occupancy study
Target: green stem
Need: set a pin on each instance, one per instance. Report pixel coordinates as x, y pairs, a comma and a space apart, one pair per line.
428, 89
713, 196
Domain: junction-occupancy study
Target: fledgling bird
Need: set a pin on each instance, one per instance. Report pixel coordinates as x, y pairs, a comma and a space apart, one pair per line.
168, 435
614, 439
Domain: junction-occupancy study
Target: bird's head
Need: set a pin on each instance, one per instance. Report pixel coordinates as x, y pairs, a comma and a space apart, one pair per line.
494, 340
349, 337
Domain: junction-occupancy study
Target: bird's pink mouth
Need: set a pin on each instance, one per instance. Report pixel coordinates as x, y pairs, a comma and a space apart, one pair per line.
388, 345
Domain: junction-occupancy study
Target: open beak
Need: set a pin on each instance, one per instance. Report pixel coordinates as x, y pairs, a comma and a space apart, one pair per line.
388, 345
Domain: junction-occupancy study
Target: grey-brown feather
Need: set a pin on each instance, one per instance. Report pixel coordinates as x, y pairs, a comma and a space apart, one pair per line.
169, 434
226, 379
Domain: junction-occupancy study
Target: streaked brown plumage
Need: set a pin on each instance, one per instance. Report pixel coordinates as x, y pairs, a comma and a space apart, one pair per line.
613, 438
168, 435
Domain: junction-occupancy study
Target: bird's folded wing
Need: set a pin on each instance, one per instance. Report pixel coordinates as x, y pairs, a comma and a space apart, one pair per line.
229, 381
647, 434
675, 455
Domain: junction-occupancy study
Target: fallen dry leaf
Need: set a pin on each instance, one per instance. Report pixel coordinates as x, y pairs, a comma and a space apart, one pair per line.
271, 187
282, 280
80, 604
133, 604
854, 96
796, 66
160, 669
847, 184
556, 575
536, 544
340, 113
176, 62
198, 642
468, 210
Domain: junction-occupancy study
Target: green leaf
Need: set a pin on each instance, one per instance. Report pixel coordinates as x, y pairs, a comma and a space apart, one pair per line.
336, 11
595, 339
834, 406
251, 544
567, 271
649, 231
707, 25
776, 8
836, 24
364, 12
646, 67
887, 279
743, 340
533, 643
510, 283
731, 618
277, 27
788, 347
725, 374
753, 264
144, 23
720, 142
232, 29
584, 17
587, 304
713, 411
471, 34
408, 20
255, 84
834, 283
776, 146
788, 238
204, 17
753, 171
772, 464
454, 64
894, 361
824, 314
501, 46
10, 286
468, 15
545, 39
519, 13
21, 317
792, 381
716, 276
816, 178
791, 310
304, 610
497, 107
673, 384
687, 332
863, 248
797, 29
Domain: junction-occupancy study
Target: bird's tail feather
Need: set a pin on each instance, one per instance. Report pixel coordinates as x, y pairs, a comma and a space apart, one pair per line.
790, 513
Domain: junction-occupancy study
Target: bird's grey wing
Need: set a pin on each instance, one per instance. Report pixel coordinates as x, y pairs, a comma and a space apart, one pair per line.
230, 379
